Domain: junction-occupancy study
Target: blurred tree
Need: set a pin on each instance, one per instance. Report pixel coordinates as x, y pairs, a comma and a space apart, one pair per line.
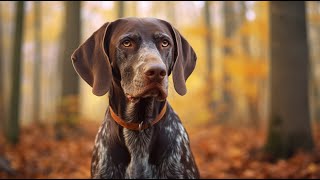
252, 104
71, 40
243, 20
229, 28
13, 129
229, 25
121, 8
68, 107
37, 62
2, 117
289, 123
314, 39
209, 48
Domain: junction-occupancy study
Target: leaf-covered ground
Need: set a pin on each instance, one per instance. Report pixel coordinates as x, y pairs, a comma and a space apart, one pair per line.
220, 152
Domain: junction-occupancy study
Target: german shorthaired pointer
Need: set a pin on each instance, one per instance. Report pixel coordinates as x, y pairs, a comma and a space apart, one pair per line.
141, 135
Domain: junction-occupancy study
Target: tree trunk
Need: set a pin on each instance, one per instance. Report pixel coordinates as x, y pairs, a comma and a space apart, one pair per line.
72, 32
121, 9
13, 129
244, 37
289, 119
208, 37
37, 62
208, 40
314, 37
252, 102
2, 116
229, 26
68, 109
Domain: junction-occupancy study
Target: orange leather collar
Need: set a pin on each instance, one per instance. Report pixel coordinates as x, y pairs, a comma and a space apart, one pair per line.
137, 126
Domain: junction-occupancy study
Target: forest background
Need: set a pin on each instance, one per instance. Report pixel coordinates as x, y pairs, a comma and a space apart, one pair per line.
253, 103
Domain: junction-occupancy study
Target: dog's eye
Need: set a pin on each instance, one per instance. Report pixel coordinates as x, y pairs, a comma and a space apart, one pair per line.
126, 43
165, 43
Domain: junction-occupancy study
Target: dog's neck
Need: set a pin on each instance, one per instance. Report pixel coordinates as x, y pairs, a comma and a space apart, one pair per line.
144, 109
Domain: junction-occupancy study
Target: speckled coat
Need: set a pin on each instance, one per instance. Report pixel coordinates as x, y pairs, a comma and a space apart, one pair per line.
132, 58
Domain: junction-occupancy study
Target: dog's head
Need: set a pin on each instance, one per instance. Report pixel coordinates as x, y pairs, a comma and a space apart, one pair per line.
140, 53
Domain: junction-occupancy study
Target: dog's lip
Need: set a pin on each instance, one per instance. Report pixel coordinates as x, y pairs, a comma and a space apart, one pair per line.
162, 95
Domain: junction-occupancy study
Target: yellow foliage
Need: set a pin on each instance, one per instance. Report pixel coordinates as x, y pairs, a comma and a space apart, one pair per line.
244, 70
196, 30
245, 73
193, 101
247, 68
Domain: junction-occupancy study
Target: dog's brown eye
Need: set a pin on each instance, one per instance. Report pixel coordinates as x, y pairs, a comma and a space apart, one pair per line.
165, 43
126, 43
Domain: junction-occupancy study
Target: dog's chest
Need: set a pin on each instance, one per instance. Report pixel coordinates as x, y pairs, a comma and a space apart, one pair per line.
138, 144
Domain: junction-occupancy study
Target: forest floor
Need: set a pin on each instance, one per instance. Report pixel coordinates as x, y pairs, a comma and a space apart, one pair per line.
220, 152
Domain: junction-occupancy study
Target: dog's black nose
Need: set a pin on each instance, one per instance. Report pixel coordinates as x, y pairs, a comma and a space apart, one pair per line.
155, 71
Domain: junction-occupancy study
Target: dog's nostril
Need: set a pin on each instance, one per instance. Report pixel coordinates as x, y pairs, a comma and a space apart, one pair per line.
150, 73
155, 71
163, 73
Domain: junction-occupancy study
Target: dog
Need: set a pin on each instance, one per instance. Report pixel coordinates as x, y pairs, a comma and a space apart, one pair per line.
141, 135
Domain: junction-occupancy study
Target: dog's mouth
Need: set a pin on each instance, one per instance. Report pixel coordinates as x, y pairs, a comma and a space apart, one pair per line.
152, 90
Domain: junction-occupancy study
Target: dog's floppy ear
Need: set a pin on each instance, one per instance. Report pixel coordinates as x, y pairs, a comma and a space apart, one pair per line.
92, 63
185, 62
